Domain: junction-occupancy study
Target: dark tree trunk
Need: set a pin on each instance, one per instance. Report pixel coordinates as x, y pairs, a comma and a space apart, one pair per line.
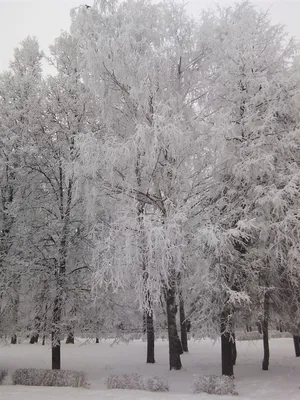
56, 363
188, 325
150, 338
297, 345
259, 327
234, 350
97, 340
226, 347
144, 322
182, 319
175, 348
34, 339
265, 331
148, 325
55, 334
13, 339
184, 337
70, 338
60, 267
44, 339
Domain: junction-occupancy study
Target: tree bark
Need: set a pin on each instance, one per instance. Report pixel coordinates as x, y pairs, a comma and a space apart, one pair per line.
226, 347
56, 356
259, 327
55, 334
97, 340
70, 338
184, 337
13, 339
148, 325
144, 322
34, 338
233, 350
61, 267
44, 339
150, 338
175, 348
182, 319
297, 345
183, 328
265, 331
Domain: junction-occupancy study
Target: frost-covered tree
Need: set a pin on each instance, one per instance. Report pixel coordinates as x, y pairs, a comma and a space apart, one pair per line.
20, 111
252, 96
56, 233
139, 62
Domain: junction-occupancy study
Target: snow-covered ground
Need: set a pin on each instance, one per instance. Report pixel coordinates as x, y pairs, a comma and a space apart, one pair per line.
100, 360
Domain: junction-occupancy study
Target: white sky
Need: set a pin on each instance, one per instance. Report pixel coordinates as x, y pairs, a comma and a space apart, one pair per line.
46, 18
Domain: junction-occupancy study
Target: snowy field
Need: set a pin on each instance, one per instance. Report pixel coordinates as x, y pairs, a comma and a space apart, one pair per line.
100, 360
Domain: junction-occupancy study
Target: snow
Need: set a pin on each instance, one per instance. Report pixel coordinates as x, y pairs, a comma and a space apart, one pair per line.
100, 360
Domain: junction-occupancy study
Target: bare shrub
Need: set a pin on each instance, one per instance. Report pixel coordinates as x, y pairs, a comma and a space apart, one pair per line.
155, 384
3, 374
126, 381
136, 381
214, 385
48, 377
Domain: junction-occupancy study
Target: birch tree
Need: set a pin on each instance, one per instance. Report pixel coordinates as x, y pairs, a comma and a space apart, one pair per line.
253, 98
19, 102
141, 71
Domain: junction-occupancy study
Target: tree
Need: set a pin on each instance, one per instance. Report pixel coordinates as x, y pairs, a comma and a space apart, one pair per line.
252, 99
19, 98
145, 160
56, 230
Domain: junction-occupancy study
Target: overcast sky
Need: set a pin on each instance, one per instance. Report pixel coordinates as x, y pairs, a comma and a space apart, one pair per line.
46, 18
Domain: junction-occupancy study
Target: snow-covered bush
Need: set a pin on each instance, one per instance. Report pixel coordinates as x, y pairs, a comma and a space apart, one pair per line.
127, 381
48, 377
214, 385
136, 381
156, 384
3, 374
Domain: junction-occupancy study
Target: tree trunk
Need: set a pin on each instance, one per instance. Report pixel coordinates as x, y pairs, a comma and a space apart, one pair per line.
70, 338
97, 340
150, 338
144, 322
56, 362
182, 319
188, 325
55, 334
44, 339
175, 348
34, 339
13, 339
226, 347
259, 327
60, 268
148, 325
297, 345
233, 350
183, 328
265, 331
